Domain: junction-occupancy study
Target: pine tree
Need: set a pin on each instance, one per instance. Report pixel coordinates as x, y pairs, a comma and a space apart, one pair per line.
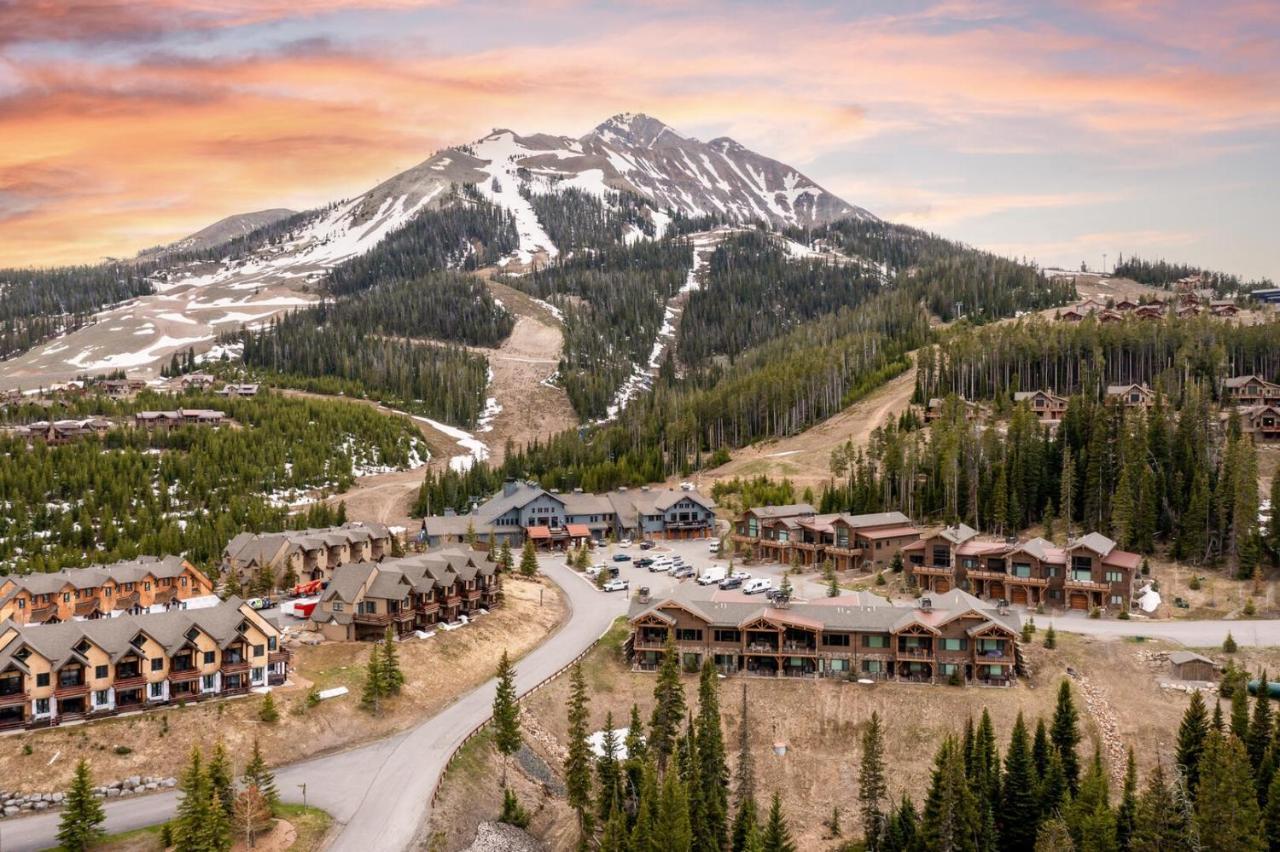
644, 833
505, 561
1089, 815
1271, 817
1192, 734
1050, 638
746, 818
196, 814
577, 762
614, 838
637, 756
673, 830
1240, 715
833, 587
506, 714
668, 705
1227, 818
1261, 726
1053, 836
375, 684
268, 712
256, 774
1054, 790
713, 770
529, 560
951, 822
1127, 813
872, 787
221, 779
1066, 497
902, 831
609, 772
80, 825
1122, 508
1019, 810
512, 812
776, 836
1065, 734
392, 675
1160, 824
1040, 749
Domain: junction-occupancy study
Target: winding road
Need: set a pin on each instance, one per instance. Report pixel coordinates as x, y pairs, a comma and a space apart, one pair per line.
378, 794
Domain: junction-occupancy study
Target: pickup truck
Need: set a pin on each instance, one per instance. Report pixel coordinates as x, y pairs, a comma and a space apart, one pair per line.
616, 586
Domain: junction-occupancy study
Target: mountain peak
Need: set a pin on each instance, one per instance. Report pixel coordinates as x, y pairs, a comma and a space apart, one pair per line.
633, 128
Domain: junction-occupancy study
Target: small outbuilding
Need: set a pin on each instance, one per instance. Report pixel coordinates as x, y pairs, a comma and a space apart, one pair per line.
1184, 665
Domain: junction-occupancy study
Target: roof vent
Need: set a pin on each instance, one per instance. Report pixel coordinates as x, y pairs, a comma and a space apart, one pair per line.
926, 604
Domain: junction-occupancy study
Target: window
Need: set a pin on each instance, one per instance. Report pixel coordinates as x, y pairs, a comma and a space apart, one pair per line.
955, 644
182, 581
872, 666
835, 640
948, 669
99, 672
66, 597
208, 683
257, 675
259, 650
688, 634
838, 665
192, 634
727, 636
42, 707
1115, 576
337, 606
209, 657
138, 641
22, 603
875, 641
146, 587
42, 679
1022, 569
271, 643
157, 690
1117, 600
101, 698
107, 591
157, 664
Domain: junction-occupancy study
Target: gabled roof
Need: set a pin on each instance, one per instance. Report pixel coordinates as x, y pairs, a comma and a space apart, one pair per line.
1097, 542
876, 519
787, 510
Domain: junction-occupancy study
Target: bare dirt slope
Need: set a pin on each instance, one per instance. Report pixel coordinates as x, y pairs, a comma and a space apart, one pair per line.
805, 458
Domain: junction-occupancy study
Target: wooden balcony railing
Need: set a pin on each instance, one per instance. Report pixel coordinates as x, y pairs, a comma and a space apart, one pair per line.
1086, 586
71, 690
184, 675
12, 698
129, 680
915, 653
379, 619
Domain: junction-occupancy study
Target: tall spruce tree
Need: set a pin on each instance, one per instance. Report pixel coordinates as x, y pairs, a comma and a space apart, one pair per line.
1127, 812
1089, 815
668, 705
609, 773
673, 830
1261, 727
1054, 836
951, 822
776, 836
529, 560
644, 832
506, 714
1019, 808
1227, 817
1192, 733
392, 675
221, 779
872, 785
1064, 732
745, 816
1160, 823
256, 774
1240, 715
80, 825
375, 683
577, 762
1054, 791
902, 830
1271, 816
713, 770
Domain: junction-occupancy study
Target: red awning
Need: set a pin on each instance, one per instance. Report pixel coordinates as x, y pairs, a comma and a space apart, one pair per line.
539, 532
578, 530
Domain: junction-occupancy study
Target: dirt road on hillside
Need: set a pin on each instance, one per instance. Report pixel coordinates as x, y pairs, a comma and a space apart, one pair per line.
806, 458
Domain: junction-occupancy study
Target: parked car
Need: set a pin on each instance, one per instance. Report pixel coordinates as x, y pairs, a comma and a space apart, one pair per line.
626, 542
714, 547
731, 583
616, 586
647, 545
260, 603
741, 575
683, 571
756, 586
659, 567
621, 557
643, 562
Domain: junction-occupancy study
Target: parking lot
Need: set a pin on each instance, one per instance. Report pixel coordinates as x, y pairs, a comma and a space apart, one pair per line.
697, 555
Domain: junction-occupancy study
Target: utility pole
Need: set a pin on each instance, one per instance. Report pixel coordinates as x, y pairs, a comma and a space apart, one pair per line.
1104, 263
303, 788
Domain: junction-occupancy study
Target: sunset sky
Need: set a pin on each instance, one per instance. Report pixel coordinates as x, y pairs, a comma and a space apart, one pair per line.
1052, 130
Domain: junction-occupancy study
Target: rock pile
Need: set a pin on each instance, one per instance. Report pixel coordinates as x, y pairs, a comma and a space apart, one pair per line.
500, 837
12, 804
1113, 746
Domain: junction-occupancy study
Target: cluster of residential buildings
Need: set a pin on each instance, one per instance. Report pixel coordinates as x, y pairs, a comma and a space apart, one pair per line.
1258, 403
553, 520
406, 594
1089, 572
301, 555
1184, 305
152, 420
57, 672
947, 637
143, 585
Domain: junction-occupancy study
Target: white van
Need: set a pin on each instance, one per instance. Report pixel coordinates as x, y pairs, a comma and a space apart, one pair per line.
757, 586
714, 574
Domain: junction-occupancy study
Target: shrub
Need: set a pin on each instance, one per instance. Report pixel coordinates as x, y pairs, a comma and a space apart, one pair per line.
1095, 612
1124, 615
122, 750
269, 713
955, 678
313, 697
26, 748
512, 812
1194, 585
880, 581
1051, 638
1229, 644
1250, 609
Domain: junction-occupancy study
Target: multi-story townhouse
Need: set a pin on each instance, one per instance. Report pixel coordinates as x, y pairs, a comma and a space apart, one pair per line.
554, 520
140, 585
232, 391
1132, 396
304, 554
1089, 572
1260, 421
1250, 390
57, 432
52, 673
859, 635
1047, 407
1223, 308
152, 420
796, 534
410, 593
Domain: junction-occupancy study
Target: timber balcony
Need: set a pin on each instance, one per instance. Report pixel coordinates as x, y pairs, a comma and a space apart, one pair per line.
984, 574
280, 656
934, 570
843, 550
9, 699
71, 690
742, 538
1086, 586
183, 675
129, 680
471, 595
429, 607
235, 666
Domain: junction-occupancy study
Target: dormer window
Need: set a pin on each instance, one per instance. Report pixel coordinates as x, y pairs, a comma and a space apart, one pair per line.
22, 655
242, 627
138, 641
192, 634
82, 647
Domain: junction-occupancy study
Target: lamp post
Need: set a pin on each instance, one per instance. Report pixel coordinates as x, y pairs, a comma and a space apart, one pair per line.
303, 788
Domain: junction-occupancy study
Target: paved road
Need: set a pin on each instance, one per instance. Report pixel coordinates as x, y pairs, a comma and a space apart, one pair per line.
378, 793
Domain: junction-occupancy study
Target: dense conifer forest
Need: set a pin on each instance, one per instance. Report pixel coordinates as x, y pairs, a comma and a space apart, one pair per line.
1037, 354
188, 490
36, 304
578, 221
1160, 273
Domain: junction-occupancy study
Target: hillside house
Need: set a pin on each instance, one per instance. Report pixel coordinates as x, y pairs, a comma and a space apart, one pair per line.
1250, 390
152, 420
145, 584
1260, 421
232, 391
407, 594
797, 534
1047, 407
1132, 396
55, 673
55, 433
856, 635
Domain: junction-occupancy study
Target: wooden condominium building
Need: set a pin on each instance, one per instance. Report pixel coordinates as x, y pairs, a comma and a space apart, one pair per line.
797, 534
141, 585
556, 520
1260, 421
411, 593
232, 391
1132, 396
182, 417
858, 636
1047, 407
58, 432
304, 554
1090, 572
1250, 390
53, 673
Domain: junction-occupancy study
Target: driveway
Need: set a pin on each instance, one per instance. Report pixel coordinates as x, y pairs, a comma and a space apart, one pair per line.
378, 794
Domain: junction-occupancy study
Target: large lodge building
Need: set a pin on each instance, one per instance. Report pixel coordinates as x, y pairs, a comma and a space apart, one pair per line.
951, 637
